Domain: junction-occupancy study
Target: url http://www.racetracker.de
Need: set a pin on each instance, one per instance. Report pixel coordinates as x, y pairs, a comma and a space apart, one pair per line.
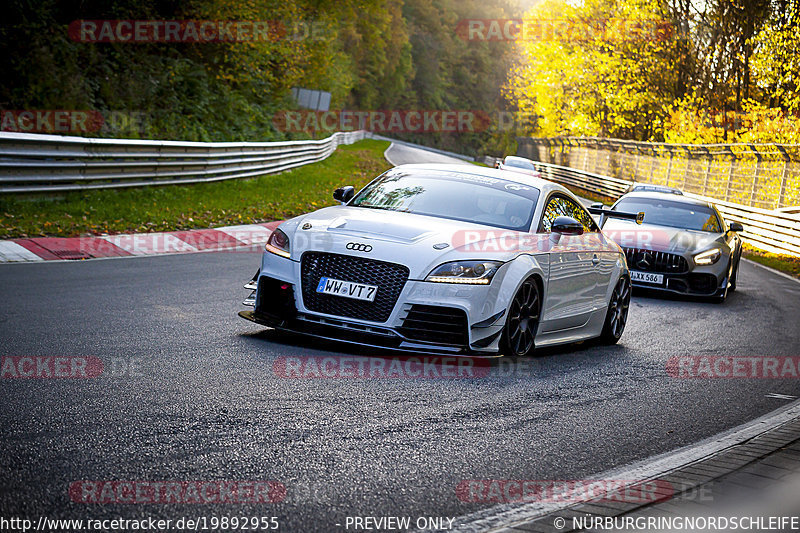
199, 523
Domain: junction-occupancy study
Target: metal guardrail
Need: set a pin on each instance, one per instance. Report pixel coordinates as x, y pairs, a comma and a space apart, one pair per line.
757, 175
776, 231
32, 163
422, 147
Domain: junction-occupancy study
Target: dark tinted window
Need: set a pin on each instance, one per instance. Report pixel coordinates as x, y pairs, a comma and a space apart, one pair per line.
673, 214
453, 195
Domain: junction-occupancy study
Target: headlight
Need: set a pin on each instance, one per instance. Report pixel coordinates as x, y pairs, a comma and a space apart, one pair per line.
709, 257
278, 243
469, 272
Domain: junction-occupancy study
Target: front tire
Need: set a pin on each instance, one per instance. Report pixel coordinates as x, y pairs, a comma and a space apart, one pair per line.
617, 314
519, 332
735, 272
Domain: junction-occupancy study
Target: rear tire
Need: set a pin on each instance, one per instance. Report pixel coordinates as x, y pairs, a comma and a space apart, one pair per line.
617, 314
522, 323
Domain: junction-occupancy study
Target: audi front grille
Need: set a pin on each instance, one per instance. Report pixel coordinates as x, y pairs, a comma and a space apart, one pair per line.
653, 261
390, 278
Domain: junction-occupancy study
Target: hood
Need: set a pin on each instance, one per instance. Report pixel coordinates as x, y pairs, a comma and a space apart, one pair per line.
628, 234
417, 241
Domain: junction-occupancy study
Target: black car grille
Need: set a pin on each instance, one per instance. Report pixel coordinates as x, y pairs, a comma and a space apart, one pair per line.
702, 283
653, 261
442, 325
275, 299
388, 277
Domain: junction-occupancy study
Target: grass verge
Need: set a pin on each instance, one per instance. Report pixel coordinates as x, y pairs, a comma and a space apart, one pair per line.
179, 207
784, 263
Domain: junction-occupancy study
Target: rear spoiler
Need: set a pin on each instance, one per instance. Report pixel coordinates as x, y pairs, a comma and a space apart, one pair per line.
610, 213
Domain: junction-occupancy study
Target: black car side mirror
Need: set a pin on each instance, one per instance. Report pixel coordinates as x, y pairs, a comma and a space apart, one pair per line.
344, 194
566, 226
736, 227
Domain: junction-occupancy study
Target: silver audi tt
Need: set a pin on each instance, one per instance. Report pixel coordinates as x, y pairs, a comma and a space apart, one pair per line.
451, 259
683, 247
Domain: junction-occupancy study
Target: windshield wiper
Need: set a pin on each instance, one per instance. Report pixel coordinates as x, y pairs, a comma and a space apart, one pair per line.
383, 208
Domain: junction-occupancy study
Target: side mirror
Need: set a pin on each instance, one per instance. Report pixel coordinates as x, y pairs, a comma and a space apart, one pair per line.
736, 227
566, 226
344, 194
597, 205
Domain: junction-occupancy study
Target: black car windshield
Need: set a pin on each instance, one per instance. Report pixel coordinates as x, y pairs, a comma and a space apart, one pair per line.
453, 195
519, 163
673, 214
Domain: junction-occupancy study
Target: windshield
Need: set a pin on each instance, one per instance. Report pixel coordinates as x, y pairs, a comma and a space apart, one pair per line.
456, 196
519, 163
673, 214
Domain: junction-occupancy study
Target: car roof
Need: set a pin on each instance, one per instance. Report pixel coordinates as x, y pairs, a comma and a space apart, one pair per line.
543, 185
678, 198
636, 187
513, 157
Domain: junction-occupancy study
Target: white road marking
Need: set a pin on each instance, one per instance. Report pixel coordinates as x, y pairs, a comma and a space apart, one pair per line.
508, 515
780, 396
150, 243
778, 272
11, 252
248, 233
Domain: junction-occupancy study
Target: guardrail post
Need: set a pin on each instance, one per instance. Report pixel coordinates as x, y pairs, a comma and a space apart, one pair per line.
784, 176
595, 153
755, 175
585, 157
730, 174
669, 164
686, 167
708, 169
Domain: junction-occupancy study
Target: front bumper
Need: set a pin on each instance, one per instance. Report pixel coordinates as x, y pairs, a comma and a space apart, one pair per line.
680, 274
690, 284
357, 334
426, 317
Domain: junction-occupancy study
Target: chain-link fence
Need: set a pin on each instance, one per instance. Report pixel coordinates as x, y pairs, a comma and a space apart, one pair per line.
766, 176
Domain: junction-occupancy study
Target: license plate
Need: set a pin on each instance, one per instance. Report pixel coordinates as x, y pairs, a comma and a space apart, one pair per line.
647, 277
347, 289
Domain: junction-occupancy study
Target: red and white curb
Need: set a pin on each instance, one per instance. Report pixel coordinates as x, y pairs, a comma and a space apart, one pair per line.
230, 238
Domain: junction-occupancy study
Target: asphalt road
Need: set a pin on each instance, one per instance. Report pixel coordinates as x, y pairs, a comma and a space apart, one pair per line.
189, 392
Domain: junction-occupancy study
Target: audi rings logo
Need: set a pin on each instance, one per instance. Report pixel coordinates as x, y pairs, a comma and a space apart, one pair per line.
358, 247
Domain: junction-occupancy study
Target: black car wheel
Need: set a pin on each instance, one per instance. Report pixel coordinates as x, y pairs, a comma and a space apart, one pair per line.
617, 314
735, 272
523, 321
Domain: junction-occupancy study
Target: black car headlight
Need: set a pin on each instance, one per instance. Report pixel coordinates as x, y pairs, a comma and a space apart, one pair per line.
278, 243
467, 272
709, 257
